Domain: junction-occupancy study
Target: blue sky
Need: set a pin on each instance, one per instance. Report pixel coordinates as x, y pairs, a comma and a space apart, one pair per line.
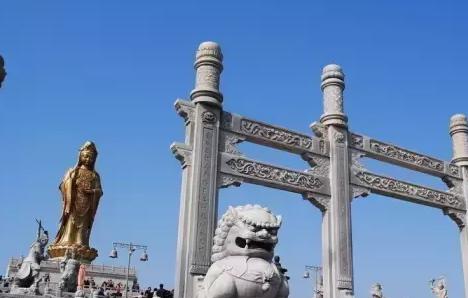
110, 71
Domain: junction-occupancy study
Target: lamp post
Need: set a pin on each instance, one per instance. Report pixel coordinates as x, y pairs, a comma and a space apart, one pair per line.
131, 247
2, 70
318, 290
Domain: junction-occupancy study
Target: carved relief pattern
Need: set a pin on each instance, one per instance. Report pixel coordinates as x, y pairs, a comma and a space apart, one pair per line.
320, 165
182, 153
202, 255
230, 141
208, 76
357, 141
226, 180
334, 99
454, 170
274, 174
338, 137
411, 190
185, 110
270, 133
319, 130
407, 156
457, 217
455, 185
208, 117
226, 120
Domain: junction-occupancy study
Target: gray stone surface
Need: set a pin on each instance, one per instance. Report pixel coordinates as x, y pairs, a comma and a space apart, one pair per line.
199, 195
459, 134
210, 160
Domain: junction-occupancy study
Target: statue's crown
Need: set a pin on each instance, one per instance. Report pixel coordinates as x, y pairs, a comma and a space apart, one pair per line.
89, 146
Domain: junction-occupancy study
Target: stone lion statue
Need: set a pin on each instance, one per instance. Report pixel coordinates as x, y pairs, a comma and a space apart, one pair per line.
243, 251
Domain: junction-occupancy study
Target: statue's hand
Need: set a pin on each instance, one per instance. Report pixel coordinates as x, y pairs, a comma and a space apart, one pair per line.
95, 191
89, 191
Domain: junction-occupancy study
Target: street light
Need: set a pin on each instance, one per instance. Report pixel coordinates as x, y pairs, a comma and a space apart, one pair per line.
131, 248
318, 290
2, 70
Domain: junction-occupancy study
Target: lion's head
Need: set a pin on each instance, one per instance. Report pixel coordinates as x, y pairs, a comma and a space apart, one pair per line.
249, 230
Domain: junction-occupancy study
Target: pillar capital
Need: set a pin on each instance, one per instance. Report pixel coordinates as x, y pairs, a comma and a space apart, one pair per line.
332, 87
332, 74
208, 66
459, 133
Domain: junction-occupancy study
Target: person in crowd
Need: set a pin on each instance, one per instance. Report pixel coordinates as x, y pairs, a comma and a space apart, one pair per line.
135, 286
148, 293
161, 292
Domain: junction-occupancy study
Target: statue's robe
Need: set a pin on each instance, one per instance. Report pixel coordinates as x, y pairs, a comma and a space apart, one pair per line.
79, 207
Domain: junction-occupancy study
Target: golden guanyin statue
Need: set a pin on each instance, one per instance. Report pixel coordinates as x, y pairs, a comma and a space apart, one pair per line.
81, 191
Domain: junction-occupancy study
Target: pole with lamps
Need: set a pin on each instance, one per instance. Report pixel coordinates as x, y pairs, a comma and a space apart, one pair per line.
131, 247
2, 70
318, 290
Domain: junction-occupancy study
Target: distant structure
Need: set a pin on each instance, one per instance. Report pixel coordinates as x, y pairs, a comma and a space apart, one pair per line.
439, 287
2, 70
376, 291
331, 178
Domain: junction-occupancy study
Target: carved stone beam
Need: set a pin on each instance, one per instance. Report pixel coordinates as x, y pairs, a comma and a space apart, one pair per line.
260, 173
408, 191
273, 136
402, 157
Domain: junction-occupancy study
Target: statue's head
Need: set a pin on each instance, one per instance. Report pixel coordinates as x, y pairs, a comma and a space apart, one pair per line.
44, 238
88, 155
249, 230
441, 284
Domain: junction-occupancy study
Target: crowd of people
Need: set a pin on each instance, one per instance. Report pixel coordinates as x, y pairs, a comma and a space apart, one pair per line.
109, 288
153, 293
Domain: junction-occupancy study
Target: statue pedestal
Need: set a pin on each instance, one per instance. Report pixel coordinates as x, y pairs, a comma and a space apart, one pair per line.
84, 254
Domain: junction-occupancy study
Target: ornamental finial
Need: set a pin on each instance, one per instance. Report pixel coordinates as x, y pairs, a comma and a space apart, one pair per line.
332, 88
459, 133
208, 65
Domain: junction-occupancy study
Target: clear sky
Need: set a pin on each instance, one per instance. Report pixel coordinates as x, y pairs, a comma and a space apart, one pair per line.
109, 71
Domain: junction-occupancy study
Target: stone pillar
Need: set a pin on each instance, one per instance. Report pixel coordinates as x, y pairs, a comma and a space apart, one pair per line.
199, 197
459, 134
338, 254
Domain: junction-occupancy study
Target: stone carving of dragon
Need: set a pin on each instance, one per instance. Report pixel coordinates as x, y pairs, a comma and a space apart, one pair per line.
242, 256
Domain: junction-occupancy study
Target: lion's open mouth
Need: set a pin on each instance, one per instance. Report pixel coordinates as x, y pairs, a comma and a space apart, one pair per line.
251, 244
